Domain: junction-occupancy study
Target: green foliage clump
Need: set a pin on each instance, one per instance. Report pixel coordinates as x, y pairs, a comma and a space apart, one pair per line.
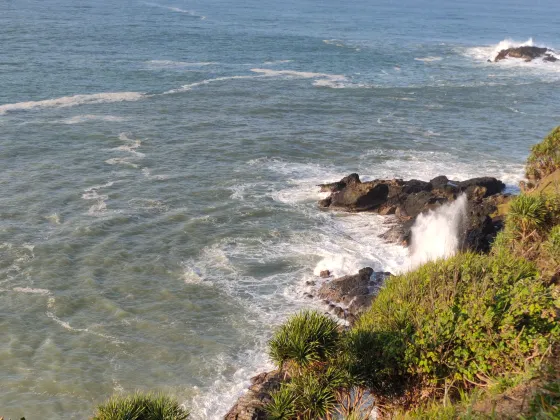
527, 214
312, 394
456, 322
141, 407
531, 232
545, 157
305, 339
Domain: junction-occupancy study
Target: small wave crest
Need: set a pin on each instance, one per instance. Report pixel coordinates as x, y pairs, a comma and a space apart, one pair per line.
177, 10
322, 79
428, 59
170, 64
340, 44
78, 119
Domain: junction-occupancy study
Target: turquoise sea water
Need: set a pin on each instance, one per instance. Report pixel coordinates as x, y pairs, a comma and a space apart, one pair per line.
159, 162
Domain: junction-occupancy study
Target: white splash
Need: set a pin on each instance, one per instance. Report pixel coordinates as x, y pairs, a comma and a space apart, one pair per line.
436, 234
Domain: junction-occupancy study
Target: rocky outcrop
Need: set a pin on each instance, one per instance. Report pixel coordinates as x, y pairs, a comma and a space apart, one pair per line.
250, 406
407, 199
526, 53
351, 295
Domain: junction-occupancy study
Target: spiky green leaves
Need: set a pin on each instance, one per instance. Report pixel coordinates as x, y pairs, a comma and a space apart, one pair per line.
527, 214
309, 396
141, 407
306, 338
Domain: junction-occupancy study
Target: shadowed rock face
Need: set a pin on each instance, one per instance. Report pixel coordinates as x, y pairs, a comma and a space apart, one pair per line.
349, 296
526, 53
250, 406
407, 199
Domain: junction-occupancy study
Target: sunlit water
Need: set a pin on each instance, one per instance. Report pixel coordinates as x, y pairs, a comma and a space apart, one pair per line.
159, 160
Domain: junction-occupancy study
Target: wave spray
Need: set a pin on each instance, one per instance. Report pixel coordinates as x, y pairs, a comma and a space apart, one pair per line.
437, 234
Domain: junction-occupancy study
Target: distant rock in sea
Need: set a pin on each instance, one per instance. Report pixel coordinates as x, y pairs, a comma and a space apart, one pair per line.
526, 53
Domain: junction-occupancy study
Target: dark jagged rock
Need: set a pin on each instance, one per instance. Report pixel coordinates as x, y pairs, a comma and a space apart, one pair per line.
360, 196
407, 199
349, 296
550, 58
439, 182
250, 406
487, 186
526, 53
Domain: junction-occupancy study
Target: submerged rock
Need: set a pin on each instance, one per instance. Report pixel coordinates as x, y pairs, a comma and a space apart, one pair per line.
250, 406
526, 53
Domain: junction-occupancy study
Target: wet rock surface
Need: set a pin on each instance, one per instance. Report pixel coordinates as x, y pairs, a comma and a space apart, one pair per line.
348, 296
250, 406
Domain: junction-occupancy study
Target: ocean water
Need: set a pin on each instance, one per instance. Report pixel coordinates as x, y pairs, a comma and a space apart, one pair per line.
159, 163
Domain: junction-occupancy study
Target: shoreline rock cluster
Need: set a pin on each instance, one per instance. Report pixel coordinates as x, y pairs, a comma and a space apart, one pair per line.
405, 200
349, 296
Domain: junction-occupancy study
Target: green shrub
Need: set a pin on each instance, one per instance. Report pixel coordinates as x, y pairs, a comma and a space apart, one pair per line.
283, 404
140, 407
545, 157
454, 322
527, 214
310, 395
306, 338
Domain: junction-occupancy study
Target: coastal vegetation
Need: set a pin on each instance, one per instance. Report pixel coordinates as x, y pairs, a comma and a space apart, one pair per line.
140, 406
443, 340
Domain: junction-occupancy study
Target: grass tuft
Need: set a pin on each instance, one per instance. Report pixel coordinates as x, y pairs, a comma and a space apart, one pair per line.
140, 406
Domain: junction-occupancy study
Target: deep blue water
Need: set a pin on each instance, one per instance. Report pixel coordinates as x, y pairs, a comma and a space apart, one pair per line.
159, 162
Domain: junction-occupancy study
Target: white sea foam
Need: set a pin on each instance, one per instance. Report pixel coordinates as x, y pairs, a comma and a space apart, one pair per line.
53, 218
158, 177
340, 44
269, 63
170, 64
92, 193
429, 59
322, 79
190, 86
31, 290
78, 119
121, 161
69, 101
177, 9
436, 234
131, 145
